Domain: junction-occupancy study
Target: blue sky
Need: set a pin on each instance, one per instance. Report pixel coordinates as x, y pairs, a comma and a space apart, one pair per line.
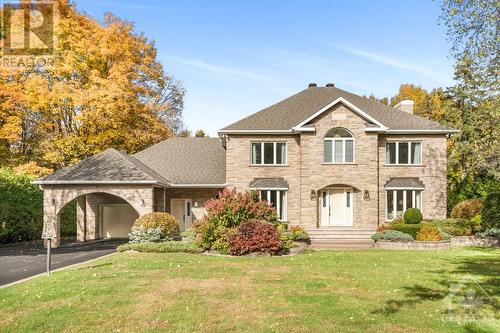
237, 57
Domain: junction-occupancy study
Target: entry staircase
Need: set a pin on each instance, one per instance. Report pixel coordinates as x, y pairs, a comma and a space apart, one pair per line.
340, 238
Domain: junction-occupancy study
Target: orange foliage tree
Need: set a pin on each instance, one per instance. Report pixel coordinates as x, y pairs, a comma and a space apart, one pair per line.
106, 89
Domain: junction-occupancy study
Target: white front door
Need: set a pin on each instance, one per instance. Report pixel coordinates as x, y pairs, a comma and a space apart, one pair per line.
336, 207
181, 210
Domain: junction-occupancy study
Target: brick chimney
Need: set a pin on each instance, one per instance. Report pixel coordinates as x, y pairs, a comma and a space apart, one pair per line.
405, 105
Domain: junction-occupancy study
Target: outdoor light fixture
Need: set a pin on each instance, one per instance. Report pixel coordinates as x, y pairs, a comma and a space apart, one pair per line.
142, 203
313, 195
196, 204
366, 195
53, 201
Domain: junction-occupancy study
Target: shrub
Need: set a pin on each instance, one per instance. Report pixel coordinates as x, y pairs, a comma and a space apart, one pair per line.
21, 207
467, 209
429, 232
410, 229
454, 227
166, 222
392, 235
413, 216
254, 236
226, 212
493, 232
491, 211
189, 234
475, 223
141, 234
163, 247
299, 234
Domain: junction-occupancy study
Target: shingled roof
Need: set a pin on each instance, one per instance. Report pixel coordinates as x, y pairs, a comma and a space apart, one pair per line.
108, 167
187, 161
290, 112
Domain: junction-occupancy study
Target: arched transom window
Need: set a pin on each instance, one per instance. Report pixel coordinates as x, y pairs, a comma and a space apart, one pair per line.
339, 146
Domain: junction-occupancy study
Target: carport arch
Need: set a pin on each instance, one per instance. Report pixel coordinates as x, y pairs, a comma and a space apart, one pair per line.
139, 197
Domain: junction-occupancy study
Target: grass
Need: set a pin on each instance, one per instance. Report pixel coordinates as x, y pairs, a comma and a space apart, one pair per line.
324, 291
162, 247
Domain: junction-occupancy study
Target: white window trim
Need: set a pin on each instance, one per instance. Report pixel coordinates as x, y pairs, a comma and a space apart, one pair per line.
409, 152
262, 153
278, 201
395, 202
343, 148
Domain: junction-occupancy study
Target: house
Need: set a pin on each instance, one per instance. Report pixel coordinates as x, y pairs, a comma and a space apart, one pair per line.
336, 163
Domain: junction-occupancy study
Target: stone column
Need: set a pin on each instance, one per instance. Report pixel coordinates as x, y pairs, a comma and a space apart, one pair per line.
81, 218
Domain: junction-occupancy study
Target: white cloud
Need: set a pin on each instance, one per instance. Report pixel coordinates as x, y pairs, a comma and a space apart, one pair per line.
393, 62
218, 69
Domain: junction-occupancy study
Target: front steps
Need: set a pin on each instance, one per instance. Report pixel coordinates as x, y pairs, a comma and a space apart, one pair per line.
340, 238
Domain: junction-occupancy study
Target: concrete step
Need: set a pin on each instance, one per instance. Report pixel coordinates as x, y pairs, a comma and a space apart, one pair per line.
346, 234
344, 244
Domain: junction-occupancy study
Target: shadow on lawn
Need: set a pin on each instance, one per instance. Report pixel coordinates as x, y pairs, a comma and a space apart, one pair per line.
484, 270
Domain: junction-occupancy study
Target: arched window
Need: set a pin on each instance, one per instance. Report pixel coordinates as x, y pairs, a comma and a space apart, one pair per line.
338, 146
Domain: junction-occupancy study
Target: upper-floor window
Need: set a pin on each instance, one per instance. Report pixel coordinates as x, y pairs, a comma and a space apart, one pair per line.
338, 146
269, 153
406, 152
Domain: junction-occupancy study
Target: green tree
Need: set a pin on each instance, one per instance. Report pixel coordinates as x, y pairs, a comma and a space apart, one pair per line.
200, 134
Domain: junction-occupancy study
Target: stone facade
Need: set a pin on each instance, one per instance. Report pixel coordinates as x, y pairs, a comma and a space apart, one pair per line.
306, 172
89, 197
432, 172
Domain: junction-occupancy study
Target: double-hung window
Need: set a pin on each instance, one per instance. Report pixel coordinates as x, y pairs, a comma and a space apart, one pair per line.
277, 199
269, 153
338, 146
398, 201
404, 152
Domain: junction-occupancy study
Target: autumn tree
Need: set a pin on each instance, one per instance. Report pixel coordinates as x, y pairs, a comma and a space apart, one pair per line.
106, 89
200, 134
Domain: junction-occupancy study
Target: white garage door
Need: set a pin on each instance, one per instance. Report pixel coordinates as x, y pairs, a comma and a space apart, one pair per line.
117, 220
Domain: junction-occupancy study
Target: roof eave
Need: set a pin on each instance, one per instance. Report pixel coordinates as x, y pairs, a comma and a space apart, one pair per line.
422, 131
288, 131
97, 182
198, 185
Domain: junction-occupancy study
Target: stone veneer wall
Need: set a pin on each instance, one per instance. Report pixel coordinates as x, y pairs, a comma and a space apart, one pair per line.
306, 172
361, 175
240, 172
432, 173
55, 197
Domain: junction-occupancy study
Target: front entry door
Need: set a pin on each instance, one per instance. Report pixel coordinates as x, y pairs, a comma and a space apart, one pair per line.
336, 207
181, 210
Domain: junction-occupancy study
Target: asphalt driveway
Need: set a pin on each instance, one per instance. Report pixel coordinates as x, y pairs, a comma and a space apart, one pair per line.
18, 262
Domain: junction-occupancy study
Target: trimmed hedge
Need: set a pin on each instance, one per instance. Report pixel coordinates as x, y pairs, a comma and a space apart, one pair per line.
162, 247
491, 211
392, 235
21, 208
410, 229
413, 216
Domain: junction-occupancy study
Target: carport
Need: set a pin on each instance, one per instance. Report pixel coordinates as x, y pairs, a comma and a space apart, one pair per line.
111, 190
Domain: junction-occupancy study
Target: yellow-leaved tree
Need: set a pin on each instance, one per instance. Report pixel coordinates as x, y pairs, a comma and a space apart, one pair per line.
106, 89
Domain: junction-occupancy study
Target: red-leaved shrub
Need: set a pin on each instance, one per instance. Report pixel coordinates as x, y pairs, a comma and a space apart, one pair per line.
226, 212
254, 236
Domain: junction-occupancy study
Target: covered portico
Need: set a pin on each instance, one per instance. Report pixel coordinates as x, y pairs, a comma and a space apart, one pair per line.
111, 190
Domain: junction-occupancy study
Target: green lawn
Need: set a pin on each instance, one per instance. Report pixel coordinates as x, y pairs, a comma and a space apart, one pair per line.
325, 291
